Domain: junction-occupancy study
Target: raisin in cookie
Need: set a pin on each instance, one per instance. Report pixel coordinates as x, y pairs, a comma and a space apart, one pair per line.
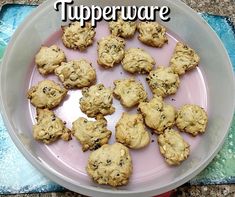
77, 37
163, 81
192, 119
49, 58
110, 51
110, 165
152, 34
130, 131
173, 147
136, 60
157, 114
46, 94
91, 134
49, 127
76, 74
97, 100
184, 59
129, 91
121, 28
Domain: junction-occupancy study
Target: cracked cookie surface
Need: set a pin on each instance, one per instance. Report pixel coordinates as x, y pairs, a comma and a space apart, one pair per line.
110, 51
49, 127
96, 100
131, 131
49, 58
46, 94
157, 114
173, 147
110, 165
183, 59
91, 134
129, 91
77, 37
152, 34
163, 81
121, 28
137, 60
192, 119
76, 74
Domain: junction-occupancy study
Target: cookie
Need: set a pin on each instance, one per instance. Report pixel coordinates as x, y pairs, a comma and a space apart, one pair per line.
110, 51
173, 147
110, 165
46, 94
130, 131
49, 58
163, 81
91, 134
157, 114
49, 127
183, 59
192, 119
121, 28
137, 60
77, 37
152, 34
129, 91
76, 74
97, 100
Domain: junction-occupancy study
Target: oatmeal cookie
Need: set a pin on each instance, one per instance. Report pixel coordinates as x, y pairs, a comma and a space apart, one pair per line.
121, 28
192, 119
137, 60
49, 127
163, 81
157, 114
129, 91
184, 59
46, 94
173, 147
49, 58
77, 37
110, 51
97, 100
76, 74
130, 131
91, 134
152, 34
110, 165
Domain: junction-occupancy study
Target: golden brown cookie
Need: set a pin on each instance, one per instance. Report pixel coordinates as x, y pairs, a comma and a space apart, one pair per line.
46, 94
110, 165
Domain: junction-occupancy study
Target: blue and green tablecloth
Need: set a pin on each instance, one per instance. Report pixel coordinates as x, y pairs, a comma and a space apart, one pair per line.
17, 175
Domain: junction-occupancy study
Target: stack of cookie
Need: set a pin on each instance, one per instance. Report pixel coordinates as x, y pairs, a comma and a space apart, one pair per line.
112, 164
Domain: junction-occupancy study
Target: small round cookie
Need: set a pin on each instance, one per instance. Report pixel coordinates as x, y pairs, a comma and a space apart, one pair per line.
77, 37
130, 131
192, 119
121, 28
97, 100
137, 60
110, 51
184, 59
110, 165
173, 147
163, 81
129, 91
91, 134
157, 114
49, 127
49, 58
152, 34
76, 74
46, 94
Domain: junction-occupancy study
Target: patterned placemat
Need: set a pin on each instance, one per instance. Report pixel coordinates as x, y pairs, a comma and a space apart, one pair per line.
17, 175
